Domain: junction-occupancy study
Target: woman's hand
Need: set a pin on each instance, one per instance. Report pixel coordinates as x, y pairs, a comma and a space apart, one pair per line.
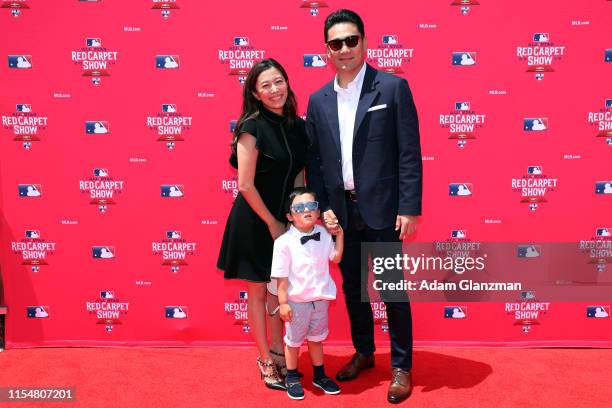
277, 229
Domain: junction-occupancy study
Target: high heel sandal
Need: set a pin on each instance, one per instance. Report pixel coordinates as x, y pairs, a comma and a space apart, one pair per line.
281, 364
272, 379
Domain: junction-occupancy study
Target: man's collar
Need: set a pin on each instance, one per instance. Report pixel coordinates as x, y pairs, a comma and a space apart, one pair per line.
356, 82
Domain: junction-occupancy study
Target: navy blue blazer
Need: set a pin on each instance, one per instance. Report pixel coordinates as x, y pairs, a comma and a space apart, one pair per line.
387, 166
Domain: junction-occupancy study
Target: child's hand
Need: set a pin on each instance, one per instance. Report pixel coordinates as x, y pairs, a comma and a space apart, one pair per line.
285, 312
337, 231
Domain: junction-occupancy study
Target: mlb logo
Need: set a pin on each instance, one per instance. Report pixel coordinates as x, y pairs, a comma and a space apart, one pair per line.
599, 312
528, 251
527, 295
175, 312
93, 42
390, 39
608, 103
535, 124
458, 234
233, 125
173, 234
462, 106
97, 127
314, 61
167, 61
107, 294
20, 61
172, 190
604, 232
460, 189
244, 295
103, 252
30, 190
535, 170
608, 56
38, 311
169, 108
100, 172
603, 187
541, 37
464, 58
24, 107
32, 234
454, 312
241, 41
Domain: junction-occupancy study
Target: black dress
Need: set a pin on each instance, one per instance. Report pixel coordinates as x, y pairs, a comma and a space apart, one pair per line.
246, 249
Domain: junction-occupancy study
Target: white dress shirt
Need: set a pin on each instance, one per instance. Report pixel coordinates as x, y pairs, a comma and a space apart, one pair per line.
348, 99
306, 265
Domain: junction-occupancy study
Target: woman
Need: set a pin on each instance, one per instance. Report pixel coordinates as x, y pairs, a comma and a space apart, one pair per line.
269, 151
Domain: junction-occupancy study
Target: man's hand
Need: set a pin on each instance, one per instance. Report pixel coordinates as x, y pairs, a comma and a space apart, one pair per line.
331, 222
406, 224
285, 312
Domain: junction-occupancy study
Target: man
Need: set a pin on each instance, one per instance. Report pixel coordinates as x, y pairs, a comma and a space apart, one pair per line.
365, 166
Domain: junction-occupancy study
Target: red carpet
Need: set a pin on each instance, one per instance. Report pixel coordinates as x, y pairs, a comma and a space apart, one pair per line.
227, 377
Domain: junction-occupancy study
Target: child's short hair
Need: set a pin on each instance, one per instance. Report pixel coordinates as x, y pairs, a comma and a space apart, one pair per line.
298, 191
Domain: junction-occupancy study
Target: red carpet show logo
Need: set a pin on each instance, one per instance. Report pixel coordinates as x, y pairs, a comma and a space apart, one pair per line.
230, 186
25, 124
313, 6
390, 54
15, 6
169, 124
464, 5
457, 246
238, 311
174, 250
108, 309
102, 188
602, 120
533, 186
94, 59
540, 54
527, 310
462, 122
599, 248
165, 6
241, 57
379, 312
33, 249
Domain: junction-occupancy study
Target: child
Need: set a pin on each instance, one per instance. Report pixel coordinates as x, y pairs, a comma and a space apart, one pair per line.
300, 263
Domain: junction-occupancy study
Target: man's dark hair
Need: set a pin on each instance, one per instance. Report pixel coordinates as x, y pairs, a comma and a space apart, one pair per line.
298, 191
343, 16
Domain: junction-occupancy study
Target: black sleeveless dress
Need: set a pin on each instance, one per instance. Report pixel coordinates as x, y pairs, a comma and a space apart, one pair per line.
246, 249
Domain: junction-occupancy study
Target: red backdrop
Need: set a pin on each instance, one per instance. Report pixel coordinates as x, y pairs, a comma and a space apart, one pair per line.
51, 220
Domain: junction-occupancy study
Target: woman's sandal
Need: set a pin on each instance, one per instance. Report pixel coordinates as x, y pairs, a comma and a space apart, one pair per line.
281, 364
272, 379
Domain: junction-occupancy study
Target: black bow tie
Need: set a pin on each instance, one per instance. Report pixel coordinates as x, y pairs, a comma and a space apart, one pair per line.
316, 236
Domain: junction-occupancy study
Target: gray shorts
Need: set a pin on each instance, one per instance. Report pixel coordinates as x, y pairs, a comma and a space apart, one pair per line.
309, 321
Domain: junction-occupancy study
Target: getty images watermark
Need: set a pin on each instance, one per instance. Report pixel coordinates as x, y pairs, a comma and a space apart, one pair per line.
484, 271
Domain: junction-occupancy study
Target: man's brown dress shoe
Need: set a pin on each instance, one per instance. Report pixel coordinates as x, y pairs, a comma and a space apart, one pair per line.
400, 387
352, 369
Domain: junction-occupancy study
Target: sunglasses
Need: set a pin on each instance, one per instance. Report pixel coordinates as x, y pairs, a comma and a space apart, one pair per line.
301, 207
350, 41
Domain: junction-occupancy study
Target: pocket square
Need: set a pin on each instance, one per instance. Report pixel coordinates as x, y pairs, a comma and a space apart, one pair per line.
377, 107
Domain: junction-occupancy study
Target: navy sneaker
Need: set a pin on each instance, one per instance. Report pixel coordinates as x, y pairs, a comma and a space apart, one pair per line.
327, 385
295, 390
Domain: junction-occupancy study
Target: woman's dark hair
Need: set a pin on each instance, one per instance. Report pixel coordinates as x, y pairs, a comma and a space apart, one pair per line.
343, 16
251, 106
298, 191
